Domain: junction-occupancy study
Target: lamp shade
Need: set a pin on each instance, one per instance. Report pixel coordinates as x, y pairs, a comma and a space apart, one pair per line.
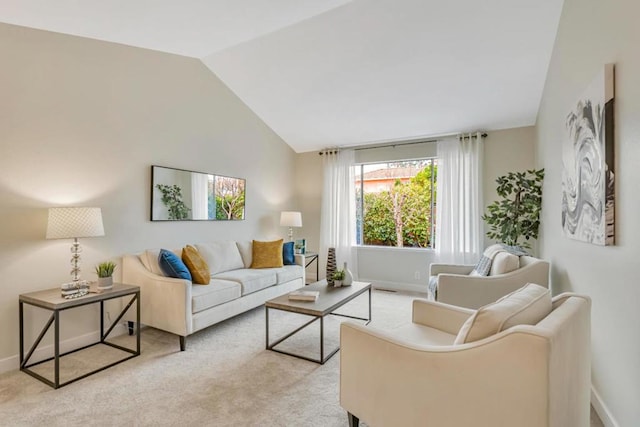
65, 223
290, 219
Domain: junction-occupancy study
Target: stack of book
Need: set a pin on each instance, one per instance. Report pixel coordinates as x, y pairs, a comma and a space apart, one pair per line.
304, 295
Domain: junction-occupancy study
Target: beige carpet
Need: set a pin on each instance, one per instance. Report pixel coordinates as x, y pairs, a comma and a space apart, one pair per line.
224, 378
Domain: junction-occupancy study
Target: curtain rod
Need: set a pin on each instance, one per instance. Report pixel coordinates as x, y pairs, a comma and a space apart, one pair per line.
423, 141
483, 135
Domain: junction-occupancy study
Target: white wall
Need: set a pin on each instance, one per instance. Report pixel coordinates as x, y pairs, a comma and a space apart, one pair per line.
591, 34
407, 268
81, 123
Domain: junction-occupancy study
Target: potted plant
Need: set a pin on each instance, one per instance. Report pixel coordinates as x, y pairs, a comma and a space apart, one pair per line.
515, 218
104, 270
338, 277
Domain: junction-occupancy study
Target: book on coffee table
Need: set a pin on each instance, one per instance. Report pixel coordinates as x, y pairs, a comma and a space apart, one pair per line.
304, 295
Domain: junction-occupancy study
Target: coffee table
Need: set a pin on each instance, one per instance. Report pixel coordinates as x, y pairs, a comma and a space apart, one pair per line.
329, 300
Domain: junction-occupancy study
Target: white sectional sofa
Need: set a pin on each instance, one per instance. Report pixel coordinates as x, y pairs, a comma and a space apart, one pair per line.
182, 307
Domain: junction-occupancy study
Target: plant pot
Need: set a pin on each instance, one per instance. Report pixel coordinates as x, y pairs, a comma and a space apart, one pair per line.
337, 283
105, 282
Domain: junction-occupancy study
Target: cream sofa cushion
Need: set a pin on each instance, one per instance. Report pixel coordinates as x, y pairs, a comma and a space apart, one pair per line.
251, 280
503, 263
215, 293
525, 306
221, 256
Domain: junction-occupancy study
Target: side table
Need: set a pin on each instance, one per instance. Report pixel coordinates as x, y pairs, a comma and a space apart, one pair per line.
52, 300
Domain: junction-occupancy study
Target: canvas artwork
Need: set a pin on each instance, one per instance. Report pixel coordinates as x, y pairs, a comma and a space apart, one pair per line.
588, 164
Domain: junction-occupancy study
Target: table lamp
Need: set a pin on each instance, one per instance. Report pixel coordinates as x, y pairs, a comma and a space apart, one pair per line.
73, 223
290, 219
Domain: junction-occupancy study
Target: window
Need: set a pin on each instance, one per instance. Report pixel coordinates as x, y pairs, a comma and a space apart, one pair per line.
398, 204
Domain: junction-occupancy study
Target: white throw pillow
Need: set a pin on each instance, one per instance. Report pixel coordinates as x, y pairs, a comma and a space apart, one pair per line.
525, 306
221, 256
503, 263
246, 251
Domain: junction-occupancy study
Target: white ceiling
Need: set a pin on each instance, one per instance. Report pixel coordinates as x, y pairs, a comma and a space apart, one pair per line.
338, 72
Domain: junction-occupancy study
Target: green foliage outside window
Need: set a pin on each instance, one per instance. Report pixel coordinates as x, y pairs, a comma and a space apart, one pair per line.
401, 216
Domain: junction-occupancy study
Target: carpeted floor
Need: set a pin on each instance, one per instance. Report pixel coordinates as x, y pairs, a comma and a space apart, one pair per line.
224, 378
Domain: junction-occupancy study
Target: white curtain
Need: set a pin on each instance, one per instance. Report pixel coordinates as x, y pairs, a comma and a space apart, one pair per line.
459, 229
199, 195
338, 214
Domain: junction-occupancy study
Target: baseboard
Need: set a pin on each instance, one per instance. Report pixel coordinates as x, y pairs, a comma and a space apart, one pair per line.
602, 410
13, 362
395, 286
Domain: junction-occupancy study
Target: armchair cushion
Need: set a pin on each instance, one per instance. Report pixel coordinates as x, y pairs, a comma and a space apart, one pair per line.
503, 263
525, 306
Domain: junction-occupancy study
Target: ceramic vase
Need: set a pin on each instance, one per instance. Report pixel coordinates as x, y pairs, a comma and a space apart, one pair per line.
331, 265
105, 282
348, 277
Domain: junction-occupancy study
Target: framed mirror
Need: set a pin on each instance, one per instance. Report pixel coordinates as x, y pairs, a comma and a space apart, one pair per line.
183, 195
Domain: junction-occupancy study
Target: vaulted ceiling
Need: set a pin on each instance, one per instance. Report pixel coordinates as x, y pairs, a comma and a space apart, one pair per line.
337, 72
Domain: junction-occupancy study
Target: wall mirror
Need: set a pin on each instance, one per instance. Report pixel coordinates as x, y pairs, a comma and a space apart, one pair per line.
182, 195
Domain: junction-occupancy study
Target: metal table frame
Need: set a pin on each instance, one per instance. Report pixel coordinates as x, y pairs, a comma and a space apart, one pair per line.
323, 358
91, 298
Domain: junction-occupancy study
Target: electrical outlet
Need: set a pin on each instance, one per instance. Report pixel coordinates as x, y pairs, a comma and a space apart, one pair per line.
417, 275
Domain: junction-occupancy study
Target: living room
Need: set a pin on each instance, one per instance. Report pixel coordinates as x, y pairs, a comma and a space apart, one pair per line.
83, 119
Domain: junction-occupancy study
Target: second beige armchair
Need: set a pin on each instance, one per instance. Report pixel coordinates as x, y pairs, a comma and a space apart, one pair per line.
456, 286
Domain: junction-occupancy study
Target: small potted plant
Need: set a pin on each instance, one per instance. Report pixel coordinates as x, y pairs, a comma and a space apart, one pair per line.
338, 277
104, 270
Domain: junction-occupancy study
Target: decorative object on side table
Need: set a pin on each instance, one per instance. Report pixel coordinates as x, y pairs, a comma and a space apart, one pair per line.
348, 276
104, 270
338, 277
72, 223
290, 219
331, 265
300, 246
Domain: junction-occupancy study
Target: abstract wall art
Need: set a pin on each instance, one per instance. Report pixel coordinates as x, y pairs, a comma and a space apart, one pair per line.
588, 176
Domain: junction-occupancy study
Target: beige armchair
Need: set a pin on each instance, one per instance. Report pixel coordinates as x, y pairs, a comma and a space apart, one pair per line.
525, 375
455, 286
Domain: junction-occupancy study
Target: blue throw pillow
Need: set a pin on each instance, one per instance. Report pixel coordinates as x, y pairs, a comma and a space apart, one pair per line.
287, 254
172, 265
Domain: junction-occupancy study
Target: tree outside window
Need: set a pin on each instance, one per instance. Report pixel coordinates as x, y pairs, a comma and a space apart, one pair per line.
398, 204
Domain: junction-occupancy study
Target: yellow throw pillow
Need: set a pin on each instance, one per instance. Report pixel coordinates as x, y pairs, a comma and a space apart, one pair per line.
266, 254
197, 265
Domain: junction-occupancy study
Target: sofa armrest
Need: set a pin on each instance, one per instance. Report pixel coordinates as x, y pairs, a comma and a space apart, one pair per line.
385, 381
165, 302
445, 317
435, 269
